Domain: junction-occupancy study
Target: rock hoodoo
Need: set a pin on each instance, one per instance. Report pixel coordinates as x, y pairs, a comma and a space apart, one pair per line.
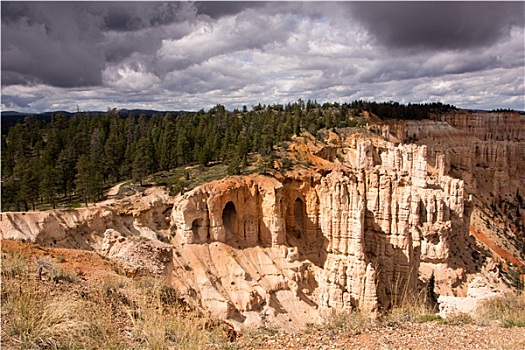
362, 230
486, 151
361, 223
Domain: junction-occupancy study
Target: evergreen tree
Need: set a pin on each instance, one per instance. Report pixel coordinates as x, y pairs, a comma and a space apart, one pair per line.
27, 172
49, 184
167, 157
66, 170
142, 160
10, 189
183, 149
83, 177
114, 151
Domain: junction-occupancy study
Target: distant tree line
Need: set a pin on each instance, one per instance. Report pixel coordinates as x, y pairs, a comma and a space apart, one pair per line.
395, 110
46, 161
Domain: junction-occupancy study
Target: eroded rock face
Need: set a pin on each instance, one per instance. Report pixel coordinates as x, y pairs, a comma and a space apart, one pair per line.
137, 255
486, 151
84, 228
247, 209
363, 229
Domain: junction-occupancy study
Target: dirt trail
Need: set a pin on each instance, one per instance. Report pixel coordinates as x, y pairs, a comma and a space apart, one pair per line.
112, 192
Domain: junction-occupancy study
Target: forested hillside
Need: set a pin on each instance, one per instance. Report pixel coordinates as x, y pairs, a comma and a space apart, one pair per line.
46, 161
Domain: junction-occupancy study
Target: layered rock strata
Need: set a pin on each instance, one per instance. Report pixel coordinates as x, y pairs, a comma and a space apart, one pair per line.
361, 230
487, 151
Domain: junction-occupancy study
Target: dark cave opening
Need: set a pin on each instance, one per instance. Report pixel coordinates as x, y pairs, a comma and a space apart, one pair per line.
229, 218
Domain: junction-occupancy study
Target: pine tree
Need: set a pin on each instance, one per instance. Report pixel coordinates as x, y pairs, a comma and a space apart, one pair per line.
49, 184
27, 172
82, 178
114, 150
142, 161
66, 170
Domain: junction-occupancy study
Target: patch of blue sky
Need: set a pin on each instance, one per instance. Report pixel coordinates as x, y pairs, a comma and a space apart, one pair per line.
244, 57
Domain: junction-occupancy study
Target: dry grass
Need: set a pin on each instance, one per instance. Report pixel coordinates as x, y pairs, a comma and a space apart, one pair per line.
352, 322
508, 310
413, 309
36, 319
66, 311
116, 313
409, 306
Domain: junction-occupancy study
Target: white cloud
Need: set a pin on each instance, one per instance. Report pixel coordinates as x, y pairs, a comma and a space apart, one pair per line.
274, 53
129, 77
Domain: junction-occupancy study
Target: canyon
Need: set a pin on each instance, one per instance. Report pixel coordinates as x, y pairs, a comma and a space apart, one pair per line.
486, 151
360, 221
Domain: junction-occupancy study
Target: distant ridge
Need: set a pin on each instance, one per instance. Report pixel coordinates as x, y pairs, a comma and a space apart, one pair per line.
10, 118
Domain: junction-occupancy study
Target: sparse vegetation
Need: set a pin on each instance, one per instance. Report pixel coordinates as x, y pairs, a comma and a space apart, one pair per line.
508, 310
411, 309
146, 313
117, 313
352, 322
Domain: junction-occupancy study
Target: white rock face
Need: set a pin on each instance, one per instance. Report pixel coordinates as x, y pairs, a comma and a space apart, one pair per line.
364, 231
487, 151
479, 291
137, 255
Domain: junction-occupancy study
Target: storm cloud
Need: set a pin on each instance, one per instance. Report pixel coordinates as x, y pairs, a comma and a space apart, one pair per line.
183, 55
439, 25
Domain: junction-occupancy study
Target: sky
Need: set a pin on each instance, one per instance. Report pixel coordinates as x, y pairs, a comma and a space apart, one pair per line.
192, 55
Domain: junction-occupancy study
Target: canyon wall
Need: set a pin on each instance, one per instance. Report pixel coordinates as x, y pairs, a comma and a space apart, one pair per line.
487, 151
358, 232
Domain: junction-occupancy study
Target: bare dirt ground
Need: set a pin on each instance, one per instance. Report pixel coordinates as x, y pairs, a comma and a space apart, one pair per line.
87, 264
430, 336
112, 192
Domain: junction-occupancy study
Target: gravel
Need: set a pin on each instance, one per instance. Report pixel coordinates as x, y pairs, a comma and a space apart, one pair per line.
429, 336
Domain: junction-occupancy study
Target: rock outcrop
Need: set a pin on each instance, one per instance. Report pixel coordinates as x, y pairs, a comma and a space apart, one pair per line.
86, 228
137, 255
363, 226
358, 234
486, 151
479, 291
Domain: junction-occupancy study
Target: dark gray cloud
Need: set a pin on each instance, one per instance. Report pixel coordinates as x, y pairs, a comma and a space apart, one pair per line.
438, 25
132, 16
67, 44
52, 43
184, 55
217, 9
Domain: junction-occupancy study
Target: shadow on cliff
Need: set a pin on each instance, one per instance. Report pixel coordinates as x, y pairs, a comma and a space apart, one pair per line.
305, 235
464, 252
298, 229
396, 265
